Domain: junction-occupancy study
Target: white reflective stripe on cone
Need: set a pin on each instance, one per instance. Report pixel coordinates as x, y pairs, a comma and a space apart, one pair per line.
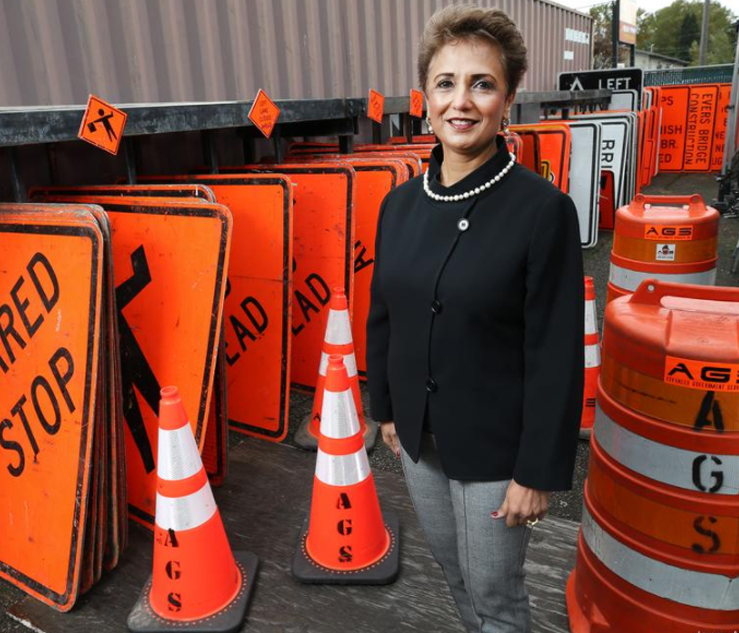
630, 279
591, 326
342, 470
667, 464
592, 356
177, 455
339, 418
350, 362
338, 329
185, 513
684, 586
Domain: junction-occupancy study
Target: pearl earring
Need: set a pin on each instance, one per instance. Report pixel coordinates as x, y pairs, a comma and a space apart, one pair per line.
505, 122
428, 125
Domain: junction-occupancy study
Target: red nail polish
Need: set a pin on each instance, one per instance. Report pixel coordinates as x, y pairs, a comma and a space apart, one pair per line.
494, 515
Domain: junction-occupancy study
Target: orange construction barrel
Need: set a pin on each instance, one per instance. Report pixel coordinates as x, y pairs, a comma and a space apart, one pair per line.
671, 243
658, 549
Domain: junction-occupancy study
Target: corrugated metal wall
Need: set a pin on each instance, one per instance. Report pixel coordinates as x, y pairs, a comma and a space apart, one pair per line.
56, 52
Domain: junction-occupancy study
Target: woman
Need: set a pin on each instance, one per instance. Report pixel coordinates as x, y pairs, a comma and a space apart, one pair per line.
475, 332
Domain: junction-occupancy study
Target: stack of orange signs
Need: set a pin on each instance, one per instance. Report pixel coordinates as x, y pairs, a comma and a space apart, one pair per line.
693, 131
259, 296
554, 142
169, 256
214, 450
62, 509
323, 251
376, 175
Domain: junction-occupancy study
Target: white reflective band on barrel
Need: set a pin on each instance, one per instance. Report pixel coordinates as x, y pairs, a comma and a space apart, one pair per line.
342, 470
684, 586
178, 456
350, 362
339, 415
592, 356
591, 326
667, 464
185, 513
630, 279
339, 329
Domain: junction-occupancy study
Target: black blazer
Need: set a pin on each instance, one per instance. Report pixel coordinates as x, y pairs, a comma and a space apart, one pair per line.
481, 328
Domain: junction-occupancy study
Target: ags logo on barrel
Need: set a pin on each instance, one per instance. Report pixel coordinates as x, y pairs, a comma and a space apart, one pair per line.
671, 243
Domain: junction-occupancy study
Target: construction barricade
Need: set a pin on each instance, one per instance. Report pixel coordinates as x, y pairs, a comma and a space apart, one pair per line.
658, 548
671, 243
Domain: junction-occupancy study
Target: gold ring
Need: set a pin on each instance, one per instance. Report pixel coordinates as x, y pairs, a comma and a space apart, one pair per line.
531, 524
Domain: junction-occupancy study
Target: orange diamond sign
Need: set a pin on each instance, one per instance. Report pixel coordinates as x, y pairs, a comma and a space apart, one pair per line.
416, 109
264, 113
375, 106
102, 125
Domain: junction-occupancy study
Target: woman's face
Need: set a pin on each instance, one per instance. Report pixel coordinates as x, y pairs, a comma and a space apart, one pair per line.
466, 94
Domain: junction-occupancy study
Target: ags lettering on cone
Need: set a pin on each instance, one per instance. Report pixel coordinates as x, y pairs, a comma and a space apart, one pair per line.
197, 582
346, 539
338, 340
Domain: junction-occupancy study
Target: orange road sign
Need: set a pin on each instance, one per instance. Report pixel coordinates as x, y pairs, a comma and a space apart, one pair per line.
702, 106
102, 125
264, 113
722, 118
416, 108
674, 104
258, 299
216, 459
375, 106
50, 312
377, 175
170, 259
323, 252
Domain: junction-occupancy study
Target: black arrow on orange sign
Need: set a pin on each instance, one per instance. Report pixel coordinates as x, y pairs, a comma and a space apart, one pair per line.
135, 369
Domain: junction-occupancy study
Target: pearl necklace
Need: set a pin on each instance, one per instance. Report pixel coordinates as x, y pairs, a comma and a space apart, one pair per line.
472, 192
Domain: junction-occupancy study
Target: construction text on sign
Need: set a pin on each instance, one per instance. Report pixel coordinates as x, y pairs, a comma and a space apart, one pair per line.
102, 125
264, 113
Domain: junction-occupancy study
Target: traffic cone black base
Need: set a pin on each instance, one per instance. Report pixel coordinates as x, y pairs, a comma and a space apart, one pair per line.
309, 442
143, 619
382, 572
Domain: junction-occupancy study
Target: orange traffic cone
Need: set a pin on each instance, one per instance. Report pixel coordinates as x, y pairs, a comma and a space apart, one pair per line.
337, 340
346, 539
592, 361
197, 583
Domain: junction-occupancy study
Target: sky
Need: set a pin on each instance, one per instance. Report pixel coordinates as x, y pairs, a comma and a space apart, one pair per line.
648, 5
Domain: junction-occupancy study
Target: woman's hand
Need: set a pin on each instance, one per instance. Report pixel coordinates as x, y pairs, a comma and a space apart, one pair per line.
522, 504
390, 437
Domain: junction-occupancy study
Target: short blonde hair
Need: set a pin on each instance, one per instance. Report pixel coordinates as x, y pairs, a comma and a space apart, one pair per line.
465, 22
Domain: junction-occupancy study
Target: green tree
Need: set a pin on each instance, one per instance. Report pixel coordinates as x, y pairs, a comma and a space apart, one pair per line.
675, 31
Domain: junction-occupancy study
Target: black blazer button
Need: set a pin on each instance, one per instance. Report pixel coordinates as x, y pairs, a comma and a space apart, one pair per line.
431, 385
436, 306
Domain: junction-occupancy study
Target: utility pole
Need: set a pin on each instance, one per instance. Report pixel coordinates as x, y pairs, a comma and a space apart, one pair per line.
704, 32
615, 23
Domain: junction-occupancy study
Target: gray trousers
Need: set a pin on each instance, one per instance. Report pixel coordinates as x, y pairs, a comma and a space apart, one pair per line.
481, 557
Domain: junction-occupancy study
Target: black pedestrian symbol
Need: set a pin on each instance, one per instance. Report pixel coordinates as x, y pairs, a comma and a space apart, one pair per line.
104, 120
136, 374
